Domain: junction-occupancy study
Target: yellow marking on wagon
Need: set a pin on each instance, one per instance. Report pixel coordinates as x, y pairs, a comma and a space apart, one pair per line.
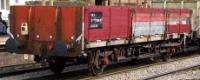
26, 56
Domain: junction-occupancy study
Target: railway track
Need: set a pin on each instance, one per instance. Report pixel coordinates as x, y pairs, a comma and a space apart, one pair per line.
20, 69
44, 73
80, 71
145, 72
188, 74
172, 72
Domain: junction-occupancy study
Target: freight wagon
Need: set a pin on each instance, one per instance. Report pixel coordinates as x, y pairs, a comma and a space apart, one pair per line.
99, 35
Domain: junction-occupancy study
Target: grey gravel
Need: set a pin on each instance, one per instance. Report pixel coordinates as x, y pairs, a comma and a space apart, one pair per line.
190, 74
150, 71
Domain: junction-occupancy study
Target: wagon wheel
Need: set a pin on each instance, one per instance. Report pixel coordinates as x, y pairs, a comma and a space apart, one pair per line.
56, 64
95, 63
166, 56
155, 58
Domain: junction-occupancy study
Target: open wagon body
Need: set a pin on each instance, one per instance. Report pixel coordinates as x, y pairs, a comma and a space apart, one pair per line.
98, 35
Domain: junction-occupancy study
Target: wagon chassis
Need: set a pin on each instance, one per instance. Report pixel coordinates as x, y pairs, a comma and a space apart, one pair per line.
89, 38
123, 53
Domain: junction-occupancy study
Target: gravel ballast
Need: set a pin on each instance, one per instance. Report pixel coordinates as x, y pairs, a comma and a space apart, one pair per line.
191, 74
153, 70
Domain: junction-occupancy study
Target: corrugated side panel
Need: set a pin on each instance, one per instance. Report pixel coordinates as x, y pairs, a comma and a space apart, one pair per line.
19, 15
157, 27
195, 13
119, 22
44, 23
141, 28
157, 22
100, 33
185, 19
173, 20
187, 5
141, 24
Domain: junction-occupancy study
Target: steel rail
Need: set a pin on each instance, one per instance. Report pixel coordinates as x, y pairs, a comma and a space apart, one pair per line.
163, 74
20, 69
175, 59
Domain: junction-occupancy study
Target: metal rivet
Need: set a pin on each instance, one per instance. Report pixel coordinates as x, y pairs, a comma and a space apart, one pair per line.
50, 36
72, 37
37, 36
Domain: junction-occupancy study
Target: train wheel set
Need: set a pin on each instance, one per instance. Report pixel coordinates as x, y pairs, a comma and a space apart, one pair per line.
99, 35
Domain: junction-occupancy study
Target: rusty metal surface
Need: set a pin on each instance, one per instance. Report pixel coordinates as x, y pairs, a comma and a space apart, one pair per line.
44, 23
47, 24
19, 15
71, 20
